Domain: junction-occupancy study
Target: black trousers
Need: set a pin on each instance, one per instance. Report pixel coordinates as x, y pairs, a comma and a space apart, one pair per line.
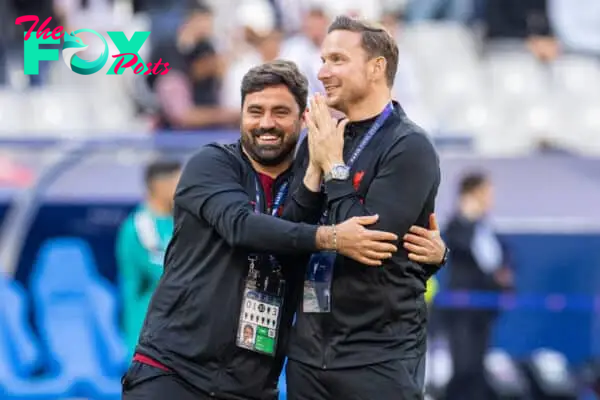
468, 337
392, 380
143, 382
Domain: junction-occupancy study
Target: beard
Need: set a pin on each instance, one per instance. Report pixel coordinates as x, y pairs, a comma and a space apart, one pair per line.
269, 154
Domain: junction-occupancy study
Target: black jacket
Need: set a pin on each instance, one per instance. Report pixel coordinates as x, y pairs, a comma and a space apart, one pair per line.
192, 318
377, 313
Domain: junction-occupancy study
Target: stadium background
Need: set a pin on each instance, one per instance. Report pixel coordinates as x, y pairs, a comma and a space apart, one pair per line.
73, 149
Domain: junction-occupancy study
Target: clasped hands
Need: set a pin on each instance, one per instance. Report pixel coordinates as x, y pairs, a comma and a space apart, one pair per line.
325, 136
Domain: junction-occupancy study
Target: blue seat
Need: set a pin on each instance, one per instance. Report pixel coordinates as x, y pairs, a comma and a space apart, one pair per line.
76, 315
20, 353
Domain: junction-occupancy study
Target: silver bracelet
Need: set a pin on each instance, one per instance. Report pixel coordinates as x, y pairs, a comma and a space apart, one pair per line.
334, 238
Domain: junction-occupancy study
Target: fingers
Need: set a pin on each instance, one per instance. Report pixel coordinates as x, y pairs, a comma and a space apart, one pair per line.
310, 124
414, 239
383, 247
366, 220
313, 112
377, 255
433, 225
418, 258
369, 261
420, 231
381, 236
416, 249
341, 127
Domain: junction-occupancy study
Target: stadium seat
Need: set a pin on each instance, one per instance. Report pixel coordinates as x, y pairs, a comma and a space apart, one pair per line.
20, 354
59, 254
576, 76
105, 308
74, 310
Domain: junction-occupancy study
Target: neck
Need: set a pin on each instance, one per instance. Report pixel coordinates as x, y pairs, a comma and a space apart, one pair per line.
158, 207
270, 170
370, 106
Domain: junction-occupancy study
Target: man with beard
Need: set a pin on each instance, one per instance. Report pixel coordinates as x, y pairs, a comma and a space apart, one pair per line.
235, 255
360, 332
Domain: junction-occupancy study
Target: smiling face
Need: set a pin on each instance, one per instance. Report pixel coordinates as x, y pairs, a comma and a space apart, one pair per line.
344, 72
271, 124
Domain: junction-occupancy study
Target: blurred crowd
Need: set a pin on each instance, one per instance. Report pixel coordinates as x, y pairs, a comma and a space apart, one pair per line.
445, 46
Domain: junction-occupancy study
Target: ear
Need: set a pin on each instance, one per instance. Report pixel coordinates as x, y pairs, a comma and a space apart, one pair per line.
378, 67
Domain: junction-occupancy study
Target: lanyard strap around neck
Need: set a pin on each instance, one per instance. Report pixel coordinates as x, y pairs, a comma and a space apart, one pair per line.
387, 111
279, 198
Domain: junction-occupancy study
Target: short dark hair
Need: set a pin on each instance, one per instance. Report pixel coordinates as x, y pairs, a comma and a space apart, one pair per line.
273, 73
376, 41
471, 182
159, 169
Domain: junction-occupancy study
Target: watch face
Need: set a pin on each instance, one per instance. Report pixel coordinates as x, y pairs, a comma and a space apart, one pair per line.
340, 172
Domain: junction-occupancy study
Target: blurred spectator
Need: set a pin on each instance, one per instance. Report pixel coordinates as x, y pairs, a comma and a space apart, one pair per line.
515, 22
141, 244
450, 10
11, 50
304, 48
262, 44
6, 33
406, 90
478, 264
188, 95
577, 25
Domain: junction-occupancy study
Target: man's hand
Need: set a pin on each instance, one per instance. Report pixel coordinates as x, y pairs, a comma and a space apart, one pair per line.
425, 246
325, 135
353, 240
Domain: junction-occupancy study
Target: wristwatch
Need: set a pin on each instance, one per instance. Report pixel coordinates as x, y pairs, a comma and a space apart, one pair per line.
338, 172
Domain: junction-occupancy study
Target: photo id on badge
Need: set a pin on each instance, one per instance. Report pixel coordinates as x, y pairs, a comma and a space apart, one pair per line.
317, 285
258, 328
260, 314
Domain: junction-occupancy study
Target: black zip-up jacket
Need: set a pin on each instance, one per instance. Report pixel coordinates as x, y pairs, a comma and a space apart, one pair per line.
377, 313
192, 318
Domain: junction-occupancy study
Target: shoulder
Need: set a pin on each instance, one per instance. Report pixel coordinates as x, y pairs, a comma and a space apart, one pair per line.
411, 140
213, 155
127, 232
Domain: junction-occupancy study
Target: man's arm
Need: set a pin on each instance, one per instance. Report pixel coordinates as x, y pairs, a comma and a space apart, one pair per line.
210, 188
408, 175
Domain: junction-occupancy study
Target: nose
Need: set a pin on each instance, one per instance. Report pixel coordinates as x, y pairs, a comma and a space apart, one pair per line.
324, 72
267, 121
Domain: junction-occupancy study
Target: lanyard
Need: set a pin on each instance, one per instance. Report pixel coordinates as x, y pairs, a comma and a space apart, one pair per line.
387, 111
279, 198
370, 133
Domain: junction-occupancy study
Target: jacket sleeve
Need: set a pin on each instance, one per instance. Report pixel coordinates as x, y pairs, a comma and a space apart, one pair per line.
408, 175
211, 189
303, 204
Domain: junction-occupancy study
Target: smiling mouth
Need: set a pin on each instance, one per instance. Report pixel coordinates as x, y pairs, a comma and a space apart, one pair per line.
268, 138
